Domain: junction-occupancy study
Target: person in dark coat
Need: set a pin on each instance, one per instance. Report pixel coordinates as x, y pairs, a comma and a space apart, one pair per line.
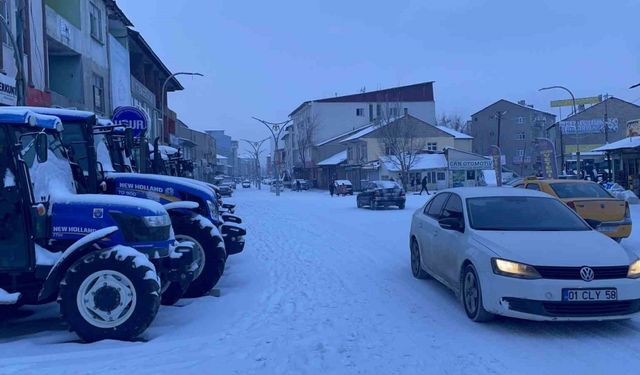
332, 188
424, 185
298, 185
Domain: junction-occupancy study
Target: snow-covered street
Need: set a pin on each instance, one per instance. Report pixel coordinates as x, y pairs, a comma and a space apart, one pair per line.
324, 287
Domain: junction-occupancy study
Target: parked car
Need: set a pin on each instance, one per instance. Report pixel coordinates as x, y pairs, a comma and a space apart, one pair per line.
524, 254
225, 189
344, 187
379, 194
304, 184
246, 184
591, 201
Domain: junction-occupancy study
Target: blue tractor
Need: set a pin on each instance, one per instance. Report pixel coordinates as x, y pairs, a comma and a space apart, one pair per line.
101, 257
191, 205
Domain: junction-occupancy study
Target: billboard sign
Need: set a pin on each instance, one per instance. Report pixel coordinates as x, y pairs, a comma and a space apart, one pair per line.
633, 128
547, 152
579, 101
592, 126
131, 117
461, 165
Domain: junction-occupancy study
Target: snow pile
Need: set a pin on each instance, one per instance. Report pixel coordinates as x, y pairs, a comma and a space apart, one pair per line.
45, 257
620, 193
9, 179
206, 223
89, 238
139, 259
52, 178
102, 153
7, 298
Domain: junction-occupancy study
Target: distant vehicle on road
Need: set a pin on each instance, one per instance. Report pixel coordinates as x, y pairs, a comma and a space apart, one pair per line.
344, 187
524, 254
225, 189
591, 201
246, 184
379, 194
304, 184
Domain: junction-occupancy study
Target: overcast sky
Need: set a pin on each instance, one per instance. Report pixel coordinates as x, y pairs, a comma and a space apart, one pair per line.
263, 58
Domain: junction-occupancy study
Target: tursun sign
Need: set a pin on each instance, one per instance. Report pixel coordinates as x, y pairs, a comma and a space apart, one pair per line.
131, 117
457, 165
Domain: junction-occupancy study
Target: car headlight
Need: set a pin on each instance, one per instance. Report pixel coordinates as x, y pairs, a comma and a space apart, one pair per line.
212, 208
514, 269
157, 221
634, 270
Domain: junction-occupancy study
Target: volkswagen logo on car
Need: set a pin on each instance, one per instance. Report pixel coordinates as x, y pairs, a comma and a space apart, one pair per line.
586, 273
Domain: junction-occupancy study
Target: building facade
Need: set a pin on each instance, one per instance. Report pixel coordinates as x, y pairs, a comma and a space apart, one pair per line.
520, 125
316, 122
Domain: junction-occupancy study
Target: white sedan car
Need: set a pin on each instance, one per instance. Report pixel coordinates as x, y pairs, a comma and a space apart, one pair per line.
524, 254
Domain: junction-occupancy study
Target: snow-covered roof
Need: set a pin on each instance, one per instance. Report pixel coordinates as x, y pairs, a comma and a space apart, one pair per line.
629, 142
421, 162
341, 135
63, 113
24, 116
456, 134
219, 157
336, 159
361, 133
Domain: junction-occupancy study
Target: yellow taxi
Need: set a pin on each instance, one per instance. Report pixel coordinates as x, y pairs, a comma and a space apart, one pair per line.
591, 201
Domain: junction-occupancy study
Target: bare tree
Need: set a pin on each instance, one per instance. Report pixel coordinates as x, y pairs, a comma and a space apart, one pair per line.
303, 138
255, 153
454, 122
401, 139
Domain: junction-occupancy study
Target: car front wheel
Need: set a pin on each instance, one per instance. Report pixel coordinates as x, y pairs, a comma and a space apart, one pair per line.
416, 263
472, 296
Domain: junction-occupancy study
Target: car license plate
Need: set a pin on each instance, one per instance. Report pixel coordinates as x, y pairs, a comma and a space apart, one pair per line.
579, 295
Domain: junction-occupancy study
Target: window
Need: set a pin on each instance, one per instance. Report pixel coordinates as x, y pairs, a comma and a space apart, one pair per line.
393, 112
435, 207
370, 112
471, 174
520, 120
441, 176
453, 208
406, 111
378, 110
363, 152
4, 11
520, 153
360, 112
520, 136
350, 153
95, 20
432, 146
533, 187
579, 190
388, 150
98, 94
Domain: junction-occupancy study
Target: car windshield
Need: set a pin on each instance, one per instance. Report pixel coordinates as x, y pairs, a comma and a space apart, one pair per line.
522, 214
579, 190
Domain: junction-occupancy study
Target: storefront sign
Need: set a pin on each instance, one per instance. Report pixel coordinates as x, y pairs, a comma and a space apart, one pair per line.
547, 152
592, 126
8, 92
131, 117
633, 128
459, 165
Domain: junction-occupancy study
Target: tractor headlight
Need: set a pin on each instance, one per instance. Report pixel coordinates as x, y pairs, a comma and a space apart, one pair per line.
157, 221
634, 270
514, 269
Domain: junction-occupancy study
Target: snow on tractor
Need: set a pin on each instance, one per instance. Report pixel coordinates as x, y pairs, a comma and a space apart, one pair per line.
191, 206
101, 257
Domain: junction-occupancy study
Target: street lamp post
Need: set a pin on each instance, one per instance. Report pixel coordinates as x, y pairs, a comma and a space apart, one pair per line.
276, 129
256, 145
573, 99
162, 94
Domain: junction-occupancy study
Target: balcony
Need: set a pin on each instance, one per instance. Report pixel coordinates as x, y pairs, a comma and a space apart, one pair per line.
66, 37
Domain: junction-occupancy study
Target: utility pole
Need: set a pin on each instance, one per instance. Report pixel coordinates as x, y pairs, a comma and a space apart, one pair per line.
606, 135
276, 129
499, 115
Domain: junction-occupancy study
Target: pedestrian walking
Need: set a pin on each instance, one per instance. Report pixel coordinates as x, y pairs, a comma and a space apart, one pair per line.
332, 188
424, 185
298, 185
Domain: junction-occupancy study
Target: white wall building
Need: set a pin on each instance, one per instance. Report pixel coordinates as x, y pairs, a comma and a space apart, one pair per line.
331, 117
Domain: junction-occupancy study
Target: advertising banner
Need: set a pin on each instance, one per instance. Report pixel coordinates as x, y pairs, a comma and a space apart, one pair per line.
592, 126
547, 151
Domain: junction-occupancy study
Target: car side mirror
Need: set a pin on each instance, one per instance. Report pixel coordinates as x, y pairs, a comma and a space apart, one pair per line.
451, 223
128, 141
593, 223
42, 147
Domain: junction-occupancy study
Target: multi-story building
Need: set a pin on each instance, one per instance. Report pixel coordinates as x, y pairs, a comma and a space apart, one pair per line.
316, 122
519, 126
197, 147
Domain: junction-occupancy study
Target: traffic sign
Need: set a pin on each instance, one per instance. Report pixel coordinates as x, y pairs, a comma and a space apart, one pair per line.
131, 117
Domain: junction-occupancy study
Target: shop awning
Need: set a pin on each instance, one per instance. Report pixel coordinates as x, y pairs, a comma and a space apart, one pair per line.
421, 163
629, 142
336, 159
